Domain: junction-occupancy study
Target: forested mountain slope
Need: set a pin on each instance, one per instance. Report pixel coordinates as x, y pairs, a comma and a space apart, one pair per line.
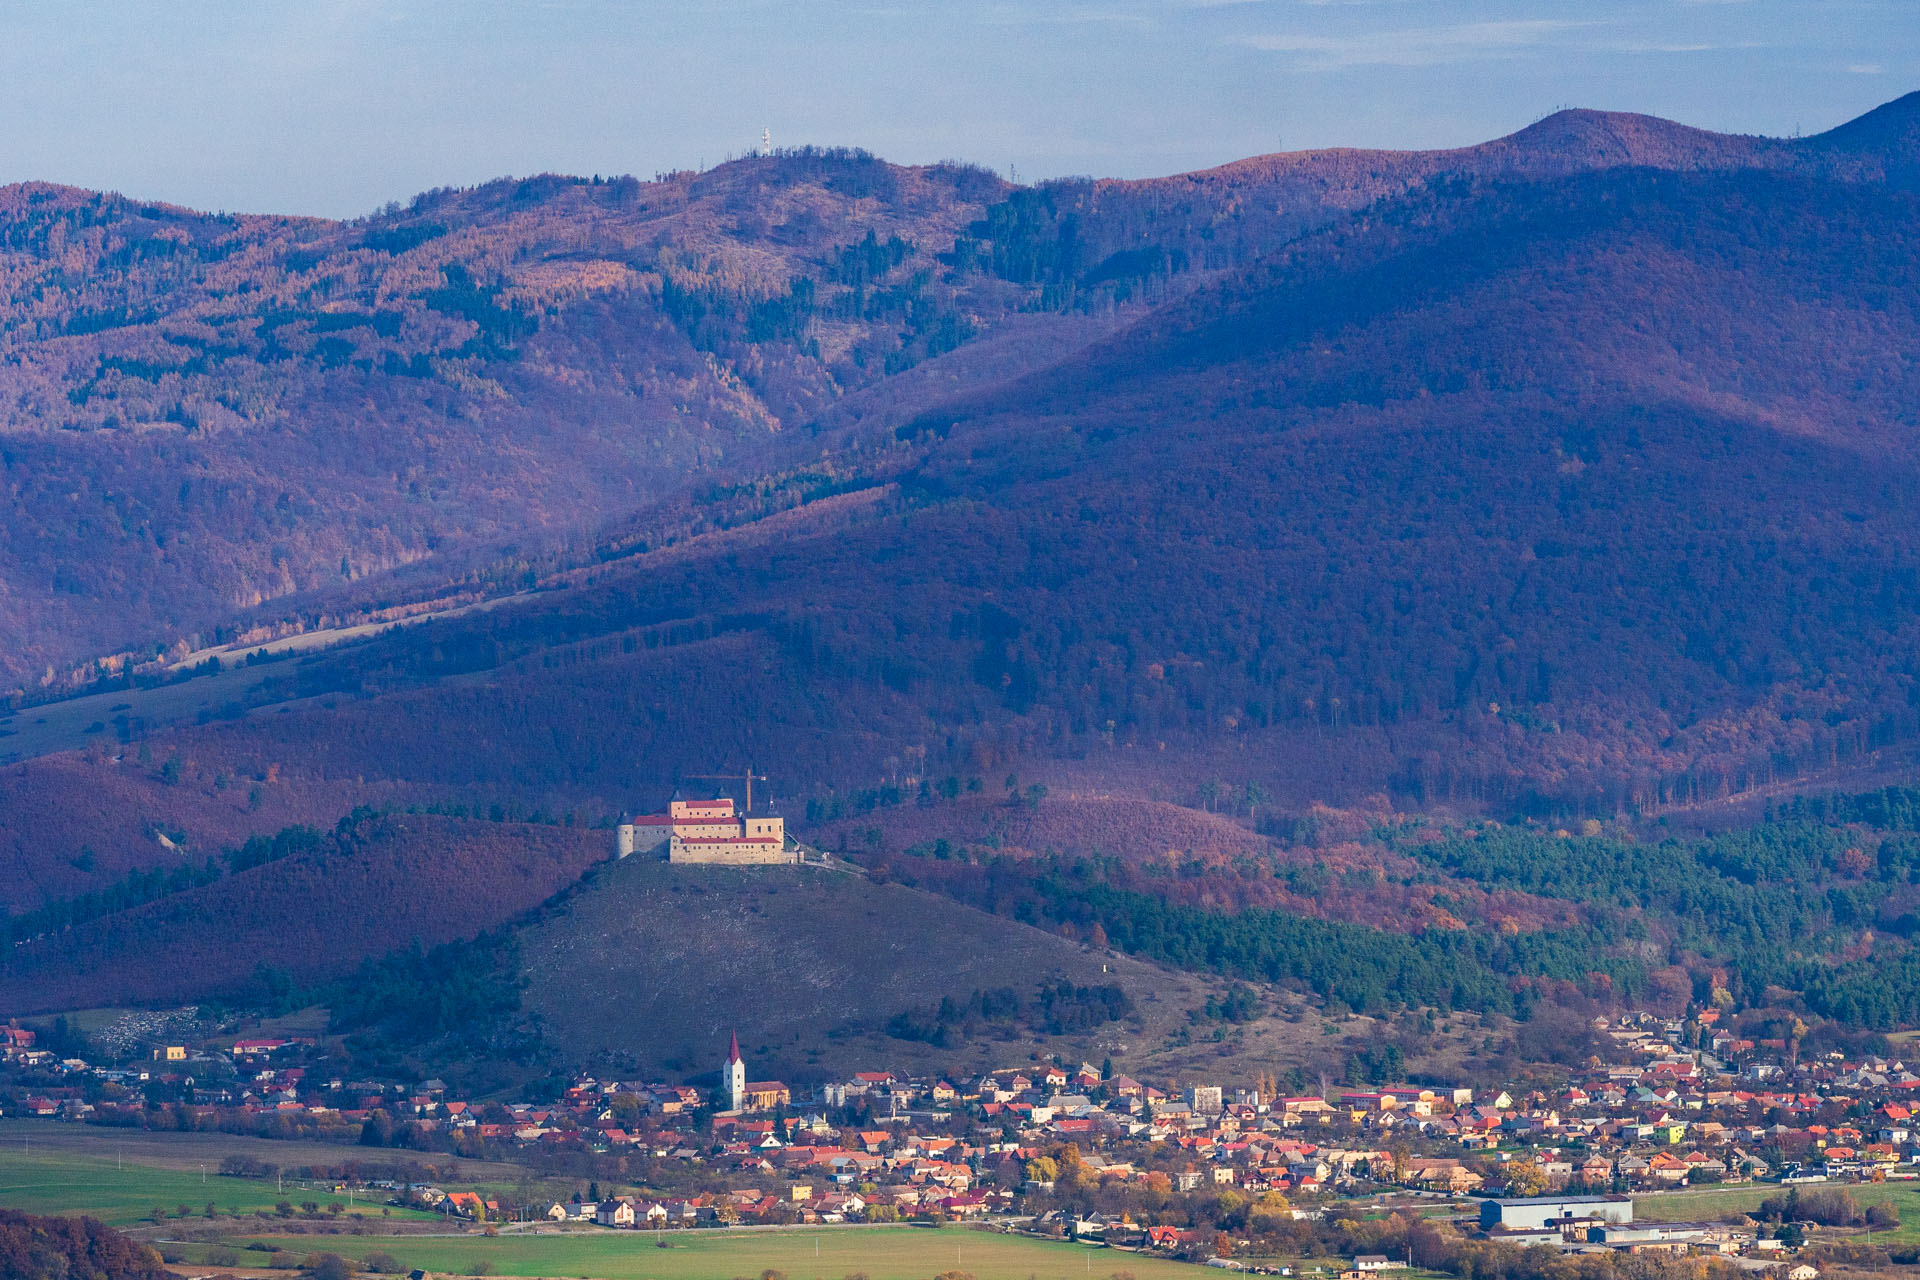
1614, 472
207, 421
1582, 490
204, 412
1809, 914
289, 911
1589, 487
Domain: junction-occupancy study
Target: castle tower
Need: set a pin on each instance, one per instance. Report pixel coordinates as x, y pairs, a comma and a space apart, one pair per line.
733, 1076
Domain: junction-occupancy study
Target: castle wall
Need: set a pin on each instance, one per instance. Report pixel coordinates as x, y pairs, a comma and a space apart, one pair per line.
707, 830
720, 810
733, 853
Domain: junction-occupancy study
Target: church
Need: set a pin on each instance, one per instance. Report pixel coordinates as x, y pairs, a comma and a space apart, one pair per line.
749, 1095
710, 832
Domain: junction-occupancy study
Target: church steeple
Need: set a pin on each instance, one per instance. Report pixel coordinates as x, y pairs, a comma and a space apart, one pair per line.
733, 1075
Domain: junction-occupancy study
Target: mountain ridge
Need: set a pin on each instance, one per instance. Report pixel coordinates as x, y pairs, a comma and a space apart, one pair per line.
588, 348
1321, 515
1895, 123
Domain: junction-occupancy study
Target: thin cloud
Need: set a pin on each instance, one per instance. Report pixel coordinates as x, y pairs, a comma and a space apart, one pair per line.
1022, 15
1648, 46
1419, 46
1318, 4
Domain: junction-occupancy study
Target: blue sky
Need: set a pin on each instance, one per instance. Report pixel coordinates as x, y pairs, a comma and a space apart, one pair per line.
336, 106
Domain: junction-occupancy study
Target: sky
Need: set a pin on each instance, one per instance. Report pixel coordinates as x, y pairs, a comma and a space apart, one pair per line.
336, 107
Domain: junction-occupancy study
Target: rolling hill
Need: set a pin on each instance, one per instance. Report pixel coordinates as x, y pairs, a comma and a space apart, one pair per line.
650, 966
559, 957
632, 965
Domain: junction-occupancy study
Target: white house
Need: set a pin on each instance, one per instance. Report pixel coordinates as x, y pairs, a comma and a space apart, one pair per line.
615, 1213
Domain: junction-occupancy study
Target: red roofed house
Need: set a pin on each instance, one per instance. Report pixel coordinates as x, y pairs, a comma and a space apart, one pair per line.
257, 1048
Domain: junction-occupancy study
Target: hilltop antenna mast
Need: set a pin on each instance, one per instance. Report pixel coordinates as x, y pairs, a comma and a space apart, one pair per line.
766, 142
749, 777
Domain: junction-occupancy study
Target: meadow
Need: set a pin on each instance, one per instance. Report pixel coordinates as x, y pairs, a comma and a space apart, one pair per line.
1710, 1203
122, 1190
829, 1253
189, 1151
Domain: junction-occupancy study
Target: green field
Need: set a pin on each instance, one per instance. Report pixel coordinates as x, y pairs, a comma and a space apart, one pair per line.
187, 1152
1706, 1203
881, 1253
58, 1182
1709, 1203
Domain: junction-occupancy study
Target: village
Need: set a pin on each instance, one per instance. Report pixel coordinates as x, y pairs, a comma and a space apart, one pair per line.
1083, 1152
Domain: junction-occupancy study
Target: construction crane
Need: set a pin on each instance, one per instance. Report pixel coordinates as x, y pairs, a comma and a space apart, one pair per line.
749, 777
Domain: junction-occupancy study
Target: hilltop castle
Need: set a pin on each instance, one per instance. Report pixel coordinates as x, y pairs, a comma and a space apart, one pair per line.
708, 831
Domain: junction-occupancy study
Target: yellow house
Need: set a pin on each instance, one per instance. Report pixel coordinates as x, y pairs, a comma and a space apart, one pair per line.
764, 1095
171, 1053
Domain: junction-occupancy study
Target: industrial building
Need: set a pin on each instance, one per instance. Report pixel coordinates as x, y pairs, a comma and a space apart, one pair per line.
1536, 1212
